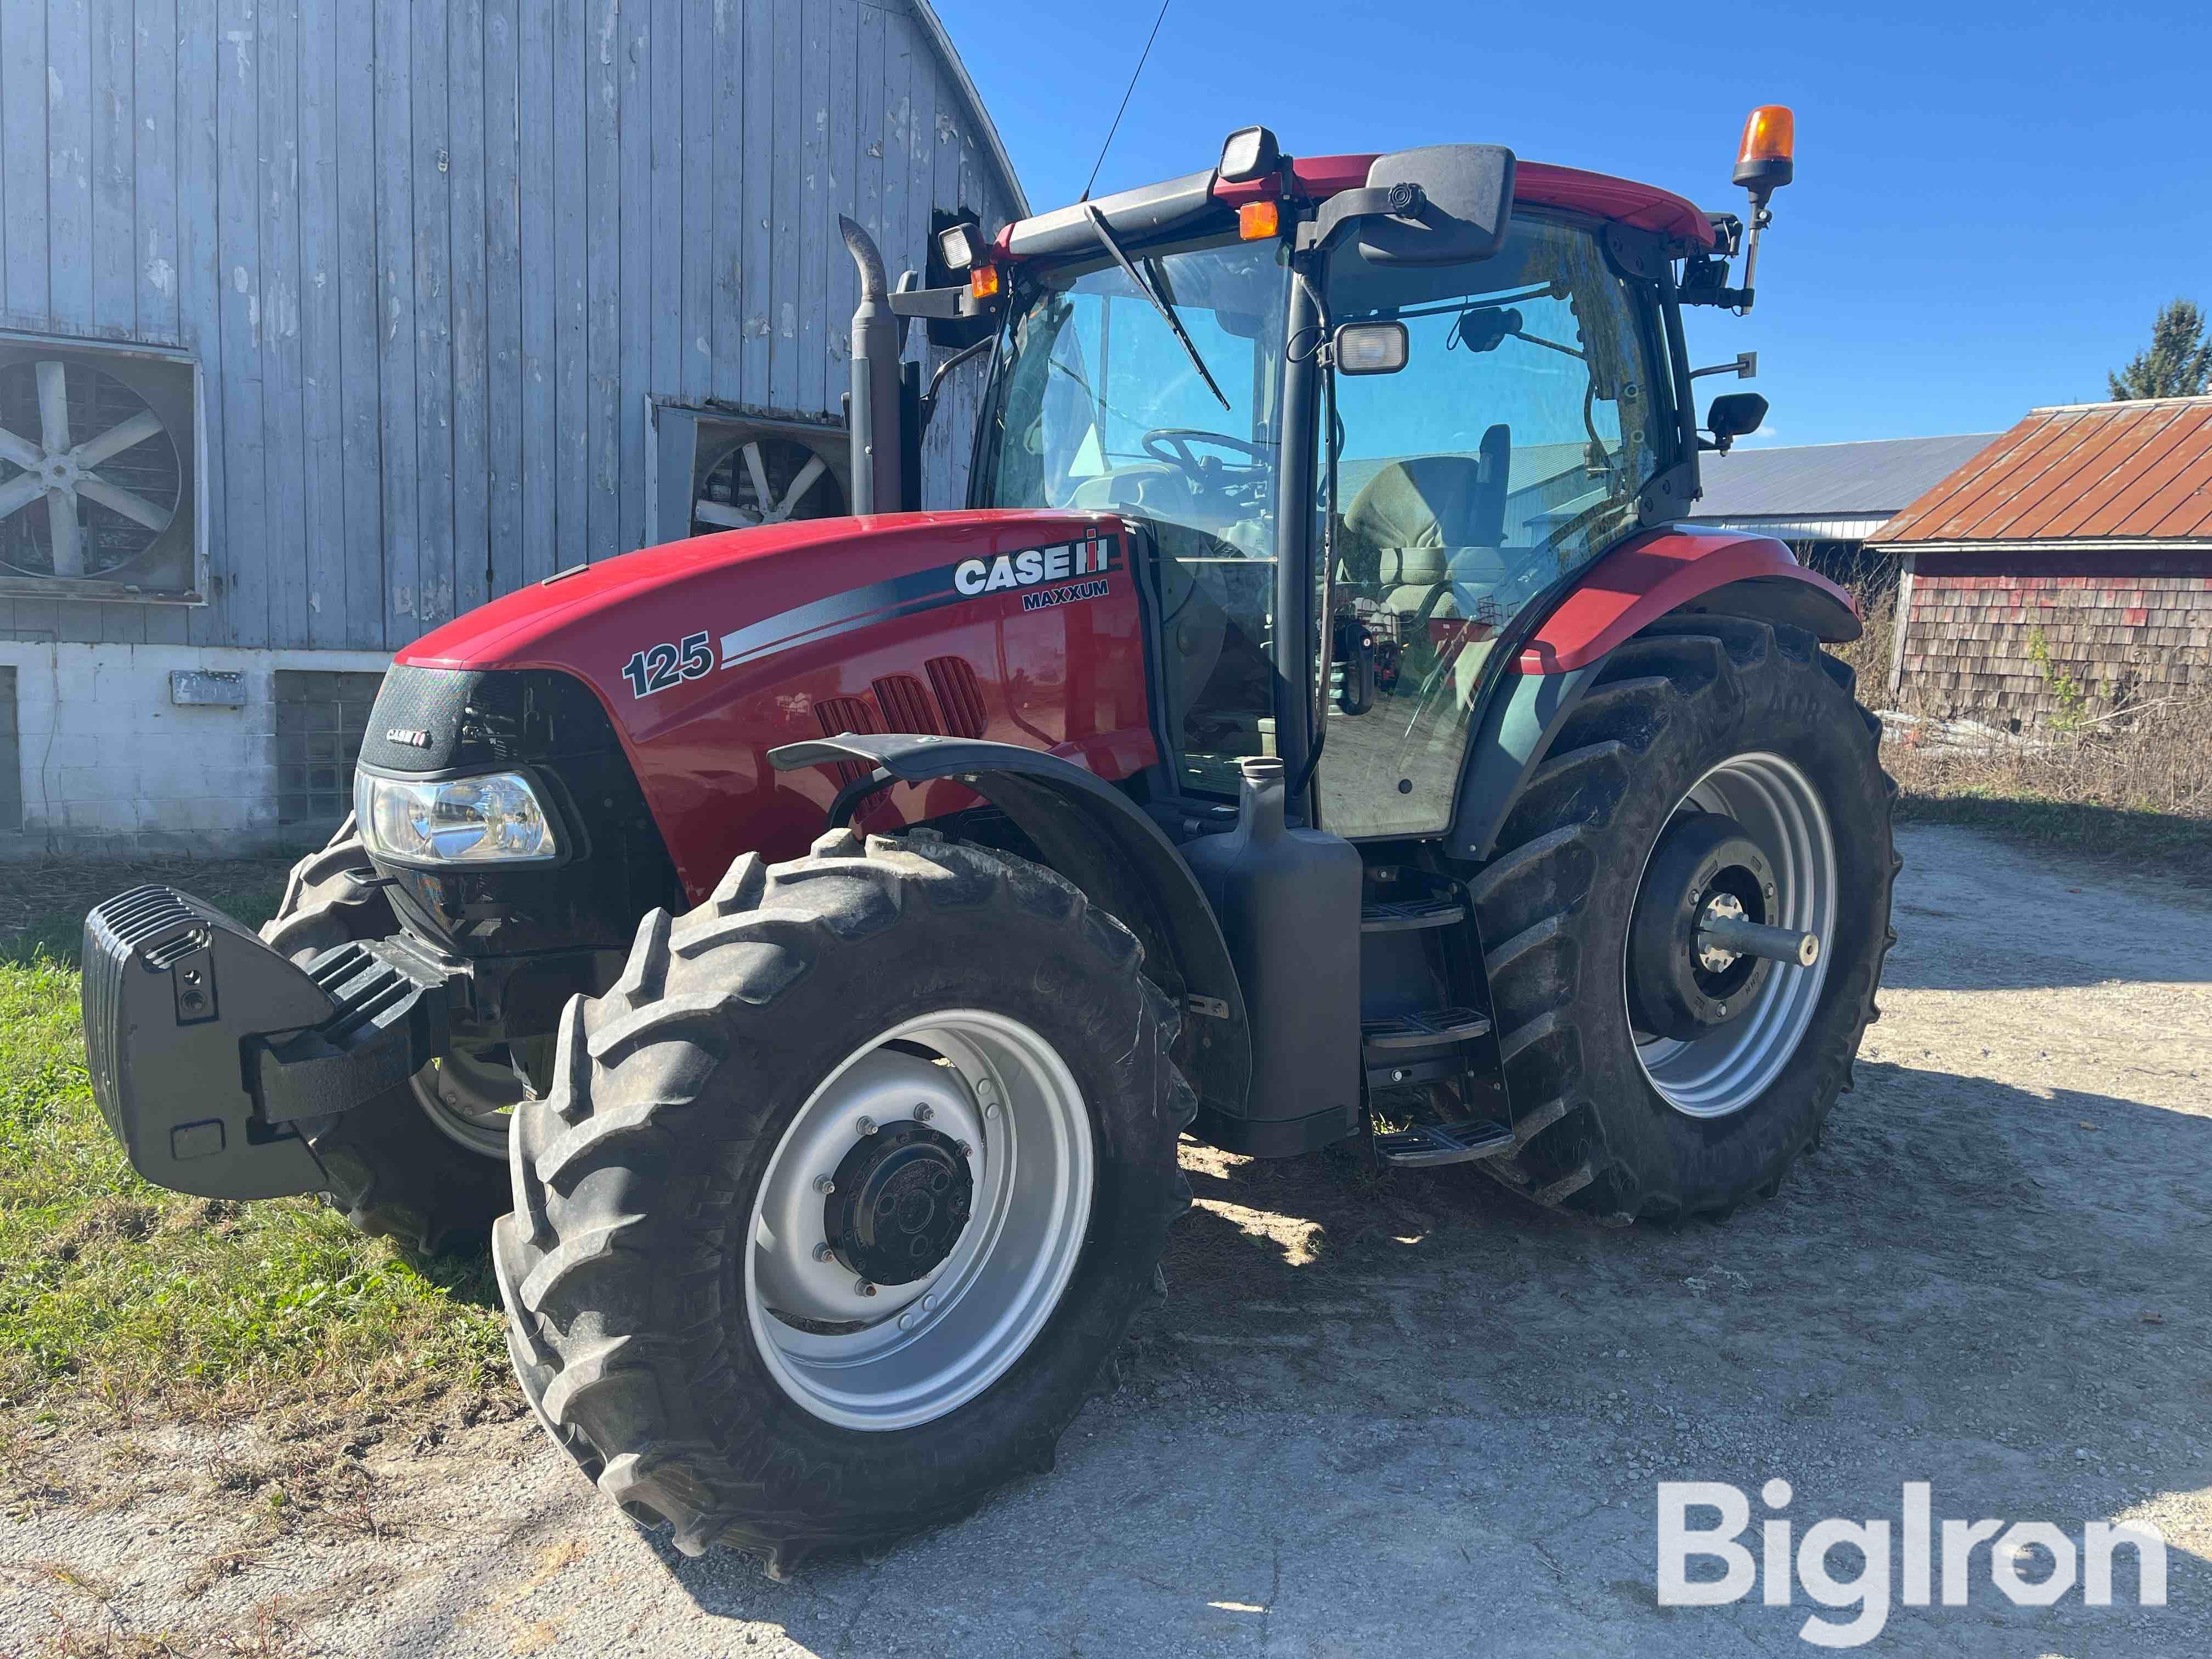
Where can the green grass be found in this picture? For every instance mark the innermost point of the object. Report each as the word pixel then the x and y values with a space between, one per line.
pixel 116 1295
pixel 2164 842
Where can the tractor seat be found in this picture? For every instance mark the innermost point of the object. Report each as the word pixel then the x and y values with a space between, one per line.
pixel 1427 523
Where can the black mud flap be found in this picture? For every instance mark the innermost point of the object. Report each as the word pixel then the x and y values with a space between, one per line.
pixel 207 1048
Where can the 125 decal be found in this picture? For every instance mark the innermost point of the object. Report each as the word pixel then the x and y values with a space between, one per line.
pixel 657 667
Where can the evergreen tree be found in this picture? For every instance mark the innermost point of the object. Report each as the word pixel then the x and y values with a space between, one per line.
pixel 2178 363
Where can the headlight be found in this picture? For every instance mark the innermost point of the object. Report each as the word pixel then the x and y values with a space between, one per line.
pixel 494 819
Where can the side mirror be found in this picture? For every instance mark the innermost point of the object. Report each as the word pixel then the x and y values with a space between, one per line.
pixel 1371 347
pixel 1738 414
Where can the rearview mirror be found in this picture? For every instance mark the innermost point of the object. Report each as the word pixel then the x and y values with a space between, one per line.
pixel 1735 416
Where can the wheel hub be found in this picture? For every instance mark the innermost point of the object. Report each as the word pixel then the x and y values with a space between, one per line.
pixel 1704 869
pixel 900 1201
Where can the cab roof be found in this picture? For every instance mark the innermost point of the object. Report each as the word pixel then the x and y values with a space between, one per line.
pixel 1151 210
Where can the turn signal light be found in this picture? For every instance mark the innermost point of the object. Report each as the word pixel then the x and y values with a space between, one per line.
pixel 1257 221
pixel 983 281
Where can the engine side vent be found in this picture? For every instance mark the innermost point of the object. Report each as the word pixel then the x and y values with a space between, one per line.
pixel 854 715
pixel 905 705
pixel 959 695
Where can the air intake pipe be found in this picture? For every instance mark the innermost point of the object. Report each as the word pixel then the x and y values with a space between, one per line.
pixel 874 417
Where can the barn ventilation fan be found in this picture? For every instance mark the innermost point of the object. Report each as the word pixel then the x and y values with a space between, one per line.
pixel 95 467
pixel 763 477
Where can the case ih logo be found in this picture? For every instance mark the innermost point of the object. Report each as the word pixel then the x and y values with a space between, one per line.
pixel 1035 566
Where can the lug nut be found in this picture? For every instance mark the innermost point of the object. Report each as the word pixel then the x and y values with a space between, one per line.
pixel 924 1112
pixel 823 1252
pixel 864 1288
pixel 823 1184
pixel 907 1321
pixel 966 1151
pixel 867 1126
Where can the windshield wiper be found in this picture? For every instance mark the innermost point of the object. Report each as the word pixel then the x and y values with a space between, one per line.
pixel 1167 311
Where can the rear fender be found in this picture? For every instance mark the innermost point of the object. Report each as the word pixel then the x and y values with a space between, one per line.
pixel 1666 572
pixel 1096 837
pixel 1674 569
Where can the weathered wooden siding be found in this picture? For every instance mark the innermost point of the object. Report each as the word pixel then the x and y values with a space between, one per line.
pixel 434 255
pixel 1997 645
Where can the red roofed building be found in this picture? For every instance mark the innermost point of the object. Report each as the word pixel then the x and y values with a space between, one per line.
pixel 2078 547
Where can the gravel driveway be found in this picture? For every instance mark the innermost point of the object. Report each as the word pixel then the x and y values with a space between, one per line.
pixel 1416 1417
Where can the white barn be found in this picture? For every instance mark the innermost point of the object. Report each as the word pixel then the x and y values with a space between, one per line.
pixel 323 320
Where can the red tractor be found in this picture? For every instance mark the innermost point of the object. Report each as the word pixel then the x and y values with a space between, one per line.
pixel 804 948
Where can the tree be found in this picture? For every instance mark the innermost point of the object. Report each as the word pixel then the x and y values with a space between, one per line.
pixel 2178 363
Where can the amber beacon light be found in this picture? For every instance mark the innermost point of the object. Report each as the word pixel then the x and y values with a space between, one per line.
pixel 1765 160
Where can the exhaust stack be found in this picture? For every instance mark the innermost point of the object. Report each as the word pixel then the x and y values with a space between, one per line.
pixel 873 419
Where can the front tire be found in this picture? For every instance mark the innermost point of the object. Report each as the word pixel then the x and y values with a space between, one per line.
pixel 677 1311
pixel 1697 714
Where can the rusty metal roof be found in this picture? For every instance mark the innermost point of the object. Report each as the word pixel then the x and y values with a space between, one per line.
pixel 2132 472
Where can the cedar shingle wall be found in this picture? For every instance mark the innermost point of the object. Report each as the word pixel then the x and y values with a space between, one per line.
pixel 1970 644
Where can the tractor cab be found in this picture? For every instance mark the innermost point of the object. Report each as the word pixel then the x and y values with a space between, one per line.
pixel 1366 411
pixel 1433 445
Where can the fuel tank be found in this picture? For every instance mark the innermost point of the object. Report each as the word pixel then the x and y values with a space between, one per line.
pixel 1022 627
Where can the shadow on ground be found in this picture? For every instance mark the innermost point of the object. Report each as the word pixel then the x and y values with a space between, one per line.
pixel 1965 1285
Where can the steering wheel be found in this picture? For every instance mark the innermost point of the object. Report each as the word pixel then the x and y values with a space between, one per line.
pixel 1172 444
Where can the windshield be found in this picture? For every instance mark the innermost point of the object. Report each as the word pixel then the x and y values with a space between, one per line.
pixel 1101 408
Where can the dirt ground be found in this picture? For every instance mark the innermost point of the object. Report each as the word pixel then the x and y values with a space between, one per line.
pixel 1417 1417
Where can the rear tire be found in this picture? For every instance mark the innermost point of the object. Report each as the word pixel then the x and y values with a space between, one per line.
pixel 1687 695
pixel 631 1266
pixel 393 1171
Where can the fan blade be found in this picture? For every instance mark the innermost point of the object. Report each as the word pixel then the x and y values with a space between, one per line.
pixel 135 508
pixel 19 493
pixel 721 512
pixel 22 450
pixel 61 519
pixel 764 497
pixel 140 427
pixel 53 407
pixel 800 485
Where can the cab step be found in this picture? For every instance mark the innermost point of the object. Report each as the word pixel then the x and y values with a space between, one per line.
pixel 1385 1035
pixel 1425 1146
pixel 1404 915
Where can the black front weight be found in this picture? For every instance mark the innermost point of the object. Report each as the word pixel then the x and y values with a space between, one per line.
pixel 206 1047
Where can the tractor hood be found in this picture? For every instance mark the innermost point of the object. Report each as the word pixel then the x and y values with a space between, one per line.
pixel 1020 627
pixel 754 591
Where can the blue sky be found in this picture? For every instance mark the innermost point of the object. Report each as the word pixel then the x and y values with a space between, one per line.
pixel 1991 201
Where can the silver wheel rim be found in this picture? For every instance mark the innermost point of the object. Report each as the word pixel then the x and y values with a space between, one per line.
pixel 910 1353
pixel 1727 1069
pixel 472 1102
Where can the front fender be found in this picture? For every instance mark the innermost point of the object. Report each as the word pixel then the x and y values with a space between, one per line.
pixel 1096 837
